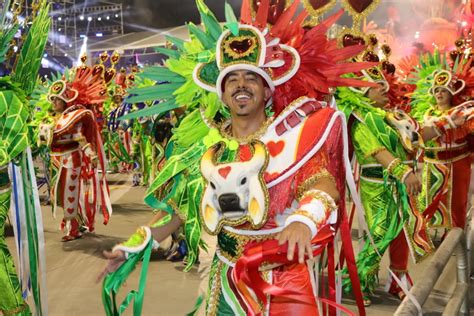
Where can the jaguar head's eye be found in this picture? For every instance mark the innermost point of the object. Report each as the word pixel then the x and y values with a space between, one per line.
pixel 213 186
pixel 243 181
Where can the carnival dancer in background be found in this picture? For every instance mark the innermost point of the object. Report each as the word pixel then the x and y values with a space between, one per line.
pixel 385 141
pixel 442 103
pixel 77 153
pixel 270 175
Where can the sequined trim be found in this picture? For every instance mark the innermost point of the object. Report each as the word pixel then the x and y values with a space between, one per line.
pixel 311 181
pixel 215 291
pixel 241 241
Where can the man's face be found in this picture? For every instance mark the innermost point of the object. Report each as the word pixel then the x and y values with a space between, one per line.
pixel 58 105
pixel 245 93
pixel 442 96
pixel 378 95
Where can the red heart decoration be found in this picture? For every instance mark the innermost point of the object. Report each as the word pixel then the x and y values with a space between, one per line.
pixel 275 148
pixel 270 176
pixel 104 56
pixel 241 46
pixel 70 210
pixel 82 70
pixel 359 5
pixel 318 4
pixel 115 58
pixel 72 188
pixel 388 67
pixel 371 56
pixel 98 70
pixel 275 9
pixel 224 172
pixel 73 176
pixel 350 40
pixel 454 54
pixel 109 75
pixel 70 199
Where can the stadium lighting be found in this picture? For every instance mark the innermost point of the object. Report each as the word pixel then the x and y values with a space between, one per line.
pixel 81 18
pixel 89 19
pixel 99 19
pixel 99 34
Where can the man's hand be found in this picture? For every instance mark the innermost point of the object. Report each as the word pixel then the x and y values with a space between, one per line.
pixel 413 184
pixel 114 261
pixel 297 234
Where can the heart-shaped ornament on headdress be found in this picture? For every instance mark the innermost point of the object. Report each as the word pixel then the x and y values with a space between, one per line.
pixel 275 9
pixel 318 7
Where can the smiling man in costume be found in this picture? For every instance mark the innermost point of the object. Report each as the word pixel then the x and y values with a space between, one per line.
pixel 269 180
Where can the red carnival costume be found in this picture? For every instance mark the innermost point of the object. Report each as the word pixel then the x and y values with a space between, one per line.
pixel 77 153
pixel 246 191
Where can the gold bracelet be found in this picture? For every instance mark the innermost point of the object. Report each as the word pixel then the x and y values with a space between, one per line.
pixel 393 164
pixel 326 199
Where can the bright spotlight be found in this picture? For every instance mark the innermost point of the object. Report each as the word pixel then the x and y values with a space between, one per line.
pixel 70 45
pixel 99 19
pixel 59 30
pixel 116 15
pixel 81 18
pixel 59 18
pixel 65 54
pixel 107 17
pixel 45 55
pixel 89 19
pixel 99 34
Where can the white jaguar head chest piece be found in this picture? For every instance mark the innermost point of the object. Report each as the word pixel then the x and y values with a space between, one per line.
pixel 235 192
pixel 407 128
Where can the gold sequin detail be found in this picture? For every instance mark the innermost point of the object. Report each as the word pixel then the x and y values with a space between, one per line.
pixel 311 181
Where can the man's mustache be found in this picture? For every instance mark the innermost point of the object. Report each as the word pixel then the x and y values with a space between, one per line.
pixel 242 90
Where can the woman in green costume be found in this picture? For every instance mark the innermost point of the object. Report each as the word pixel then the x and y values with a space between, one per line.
pixel 387 183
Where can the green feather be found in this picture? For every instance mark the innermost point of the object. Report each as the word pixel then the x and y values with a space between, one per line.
pixel 156 92
pixel 232 22
pixel 153 110
pixel 205 40
pixel 211 25
pixel 6 36
pixel 179 43
pixel 168 52
pixel 31 54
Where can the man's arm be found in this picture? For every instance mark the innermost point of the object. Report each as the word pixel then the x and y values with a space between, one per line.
pixel 138 241
pixel 407 175
pixel 299 234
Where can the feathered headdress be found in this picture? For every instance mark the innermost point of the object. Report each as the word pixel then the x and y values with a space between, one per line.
pixel 88 85
pixel 437 70
pixel 293 60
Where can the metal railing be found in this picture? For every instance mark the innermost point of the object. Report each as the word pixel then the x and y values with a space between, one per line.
pixel 455 241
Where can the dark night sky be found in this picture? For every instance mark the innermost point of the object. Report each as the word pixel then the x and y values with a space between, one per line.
pixel 169 13
pixel 142 14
